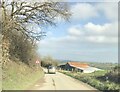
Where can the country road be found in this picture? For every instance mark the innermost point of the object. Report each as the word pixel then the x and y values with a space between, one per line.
pixel 60 81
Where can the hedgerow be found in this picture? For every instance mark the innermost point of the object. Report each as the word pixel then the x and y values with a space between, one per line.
pixel 94 82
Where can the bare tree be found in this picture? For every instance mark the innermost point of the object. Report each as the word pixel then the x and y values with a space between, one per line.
pixel 16 16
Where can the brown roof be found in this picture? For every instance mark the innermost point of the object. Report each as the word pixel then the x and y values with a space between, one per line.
pixel 78 64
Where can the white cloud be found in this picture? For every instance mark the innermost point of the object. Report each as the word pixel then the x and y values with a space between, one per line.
pixel 75 31
pixel 97 28
pixel 110 10
pixel 90 32
pixel 102 39
pixel 94 40
pixel 86 11
pixel 83 11
pixel 108 29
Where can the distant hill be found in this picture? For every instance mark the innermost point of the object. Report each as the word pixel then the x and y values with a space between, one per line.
pixel 62 61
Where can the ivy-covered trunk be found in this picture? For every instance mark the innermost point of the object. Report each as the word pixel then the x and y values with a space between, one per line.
pixel 5 30
pixel 0 50
pixel 5 49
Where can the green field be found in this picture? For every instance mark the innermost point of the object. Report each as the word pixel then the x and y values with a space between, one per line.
pixel 105 66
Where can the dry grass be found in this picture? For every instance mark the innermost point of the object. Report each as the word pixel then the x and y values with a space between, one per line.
pixel 18 76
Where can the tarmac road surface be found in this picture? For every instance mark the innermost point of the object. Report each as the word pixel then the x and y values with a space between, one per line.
pixel 60 81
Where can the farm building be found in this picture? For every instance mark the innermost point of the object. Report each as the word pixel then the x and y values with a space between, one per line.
pixel 61 67
pixel 78 67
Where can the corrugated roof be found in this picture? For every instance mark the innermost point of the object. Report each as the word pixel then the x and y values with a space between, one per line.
pixel 78 64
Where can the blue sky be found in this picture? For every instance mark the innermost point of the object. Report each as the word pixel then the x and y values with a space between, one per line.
pixel 91 34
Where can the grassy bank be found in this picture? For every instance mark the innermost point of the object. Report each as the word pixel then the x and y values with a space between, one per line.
pixel 92 79
pixel 18 76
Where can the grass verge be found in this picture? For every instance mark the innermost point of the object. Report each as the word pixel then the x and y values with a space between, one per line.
pixel 19 76
pixel 92 80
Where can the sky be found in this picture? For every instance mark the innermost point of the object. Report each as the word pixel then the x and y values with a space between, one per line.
pixel 91 35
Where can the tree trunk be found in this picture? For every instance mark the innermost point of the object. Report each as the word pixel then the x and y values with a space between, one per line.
pixel 0 51
pixel 5 38
pixel 5 49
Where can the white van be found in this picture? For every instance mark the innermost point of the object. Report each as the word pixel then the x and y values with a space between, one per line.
pixel 51 69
